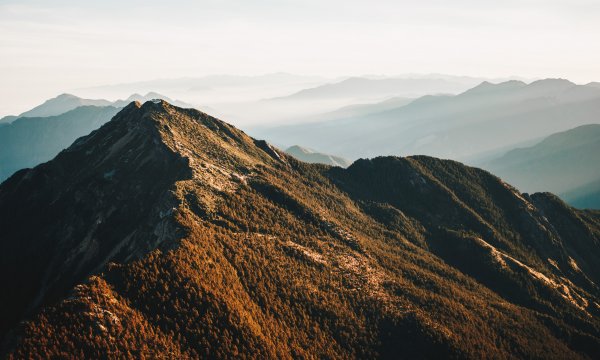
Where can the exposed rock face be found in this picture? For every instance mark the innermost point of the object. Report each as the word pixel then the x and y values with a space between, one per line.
pixel 168 233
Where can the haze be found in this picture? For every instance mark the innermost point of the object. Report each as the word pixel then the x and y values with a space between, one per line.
pixel 53 47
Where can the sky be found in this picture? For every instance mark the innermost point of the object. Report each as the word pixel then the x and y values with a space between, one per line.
pixel 49 47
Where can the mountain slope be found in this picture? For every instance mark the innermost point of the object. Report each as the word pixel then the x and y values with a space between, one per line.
pixel 560 163
pixel 313 157
pixel 484 119
pixel 27 142
pixel 168 233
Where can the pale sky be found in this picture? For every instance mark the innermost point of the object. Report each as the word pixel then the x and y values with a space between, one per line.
pixel 49 47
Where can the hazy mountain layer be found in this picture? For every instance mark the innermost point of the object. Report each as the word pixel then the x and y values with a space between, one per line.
pixel 204 242
pixel 560 163
pixel 366 88
pixel 27 142
pixel 485 119
pixel 67 102
pixel 584 197
pixel 365 109
pixel 61 104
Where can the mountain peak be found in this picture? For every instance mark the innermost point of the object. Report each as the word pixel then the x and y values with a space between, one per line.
pixel 128 169
pixel 299 149
pixel 594 84
pixel 488 87
pixel 66 96
pixel 61 104
pixel 134 97
pixel 552 83
pixel 199 137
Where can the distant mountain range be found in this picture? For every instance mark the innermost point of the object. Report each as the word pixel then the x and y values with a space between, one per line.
pixel 584 197
pixel 167 233
pixel 58 105
pixel 314 157
pixel 563 163
pixel 67 102
pixel 211 83
pixel 360 88
pixel 594 84
pixel 357 110
pixel 27 142
pixel 265 98
pixel 487 119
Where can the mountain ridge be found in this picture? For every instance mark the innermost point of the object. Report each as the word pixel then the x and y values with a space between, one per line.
pixel 167 232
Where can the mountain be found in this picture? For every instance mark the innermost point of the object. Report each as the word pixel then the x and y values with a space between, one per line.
pixel 594 84
pixel 314 157
pixel 67 102
pixel 482 120
pixel 560 163
pixel 61 104
pixel 246 100
pixel 356 110
pixel 148 97
pixel 584 197
pixel 8 119
pixel 169 233
pixel 366 88
pixel 348 97
pixel 235 96
pixel 27 142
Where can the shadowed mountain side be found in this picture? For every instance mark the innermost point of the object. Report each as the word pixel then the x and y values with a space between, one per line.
pixel 168 233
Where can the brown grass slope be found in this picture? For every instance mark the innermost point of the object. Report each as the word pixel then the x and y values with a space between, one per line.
pixel 168 233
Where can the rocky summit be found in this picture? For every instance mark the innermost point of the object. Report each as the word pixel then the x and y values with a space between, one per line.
pixel 168 233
